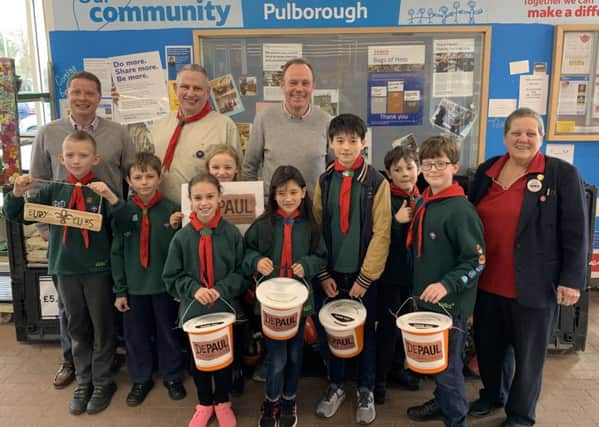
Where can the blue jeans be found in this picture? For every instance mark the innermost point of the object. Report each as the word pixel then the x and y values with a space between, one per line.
pixel 367 358
pixel 284 365
pixel 451 391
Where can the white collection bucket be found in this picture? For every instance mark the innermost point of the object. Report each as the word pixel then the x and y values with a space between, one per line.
pixel 343 321
pixel 211 338
pixel 281 304
pixel 425 340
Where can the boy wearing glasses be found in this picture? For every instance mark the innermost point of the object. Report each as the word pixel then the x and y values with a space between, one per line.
pixel 445 243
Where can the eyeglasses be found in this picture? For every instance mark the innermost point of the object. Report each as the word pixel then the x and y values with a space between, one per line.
pixel 440 166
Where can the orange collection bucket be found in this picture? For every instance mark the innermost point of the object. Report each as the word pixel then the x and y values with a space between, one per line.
pixel 425 340
pixel 211 339
pixel 281 305
pixel 343 320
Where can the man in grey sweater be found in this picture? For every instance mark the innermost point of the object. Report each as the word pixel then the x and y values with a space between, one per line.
pixel 294 132
pixel 115 149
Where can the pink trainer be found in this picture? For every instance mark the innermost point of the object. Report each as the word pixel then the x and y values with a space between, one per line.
pixel 201 416
pixel 225 415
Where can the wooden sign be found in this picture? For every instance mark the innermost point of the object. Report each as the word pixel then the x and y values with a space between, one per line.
pixel 62 216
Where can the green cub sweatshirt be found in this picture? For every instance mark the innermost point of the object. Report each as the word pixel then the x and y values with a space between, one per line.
pixel 128 274
pixel 71 258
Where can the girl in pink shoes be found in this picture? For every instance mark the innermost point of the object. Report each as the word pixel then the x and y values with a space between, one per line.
pixel 202 271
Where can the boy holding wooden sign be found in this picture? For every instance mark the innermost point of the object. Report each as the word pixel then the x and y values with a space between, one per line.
pixel 80 258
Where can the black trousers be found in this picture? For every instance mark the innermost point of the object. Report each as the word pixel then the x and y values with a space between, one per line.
pixel 150 325
pixel 501 323
pixel 389 348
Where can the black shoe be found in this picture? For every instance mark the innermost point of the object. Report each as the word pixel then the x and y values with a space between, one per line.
pixel 288 413
pixel 138 393
pixel 405 379
pixel 380 393
pixel 426 412
pixel 238 382
pixel 175 388
pixel 483 407
pixel 101 398
pixel 269 414
pixel 81 395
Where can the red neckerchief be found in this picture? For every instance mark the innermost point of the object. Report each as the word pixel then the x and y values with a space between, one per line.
pixel 286 254
pixel 144 234
pixel 453 190
pixel 172 144
pixel 410 197
pixel 205 247
pixel 345 191
pixel 78 202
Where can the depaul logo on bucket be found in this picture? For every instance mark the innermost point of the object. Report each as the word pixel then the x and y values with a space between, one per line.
pixel 424 352
pixel 210 350
pixel 342 342
pixel 279 323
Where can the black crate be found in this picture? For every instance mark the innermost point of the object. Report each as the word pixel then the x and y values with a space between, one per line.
pixel 572 325
pixel 29 324
pixel 32 327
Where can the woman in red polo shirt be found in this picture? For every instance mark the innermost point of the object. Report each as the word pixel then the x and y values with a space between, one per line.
pixel 534 214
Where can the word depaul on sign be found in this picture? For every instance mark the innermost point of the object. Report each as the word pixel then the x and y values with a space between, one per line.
pixel 62 216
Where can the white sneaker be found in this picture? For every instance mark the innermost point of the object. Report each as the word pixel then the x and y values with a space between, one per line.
pixel 365 413
pixel 330 401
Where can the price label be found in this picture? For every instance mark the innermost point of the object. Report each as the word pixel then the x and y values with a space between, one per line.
pixel 48 298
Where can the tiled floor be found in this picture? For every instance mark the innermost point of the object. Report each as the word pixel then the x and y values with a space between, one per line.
pixel 570 395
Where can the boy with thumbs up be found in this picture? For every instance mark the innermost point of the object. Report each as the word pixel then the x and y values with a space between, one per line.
pixel 401 165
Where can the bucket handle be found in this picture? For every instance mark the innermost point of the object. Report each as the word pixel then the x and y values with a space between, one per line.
pixel 345 291
pixel 194 300
pixel 415 299
pixel 259 280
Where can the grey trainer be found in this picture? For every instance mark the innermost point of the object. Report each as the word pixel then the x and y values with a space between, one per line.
pixel 365 413
pixel 330 401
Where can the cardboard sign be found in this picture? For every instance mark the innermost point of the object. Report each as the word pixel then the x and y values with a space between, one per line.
pixel 62 216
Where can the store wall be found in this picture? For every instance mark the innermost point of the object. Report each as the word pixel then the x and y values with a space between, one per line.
pixel 521 30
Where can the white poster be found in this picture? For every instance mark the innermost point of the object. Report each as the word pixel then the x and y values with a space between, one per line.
pixel 102 69
pixel 533 93
pixel 561 151
pixel 327 100
pixel 274 57
pixel 572 97
pixel 577 53
pixel 501 107
pixel 241 203
pixel 596 100
pixel 48 298
pixel 139 79
pixel 453 68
